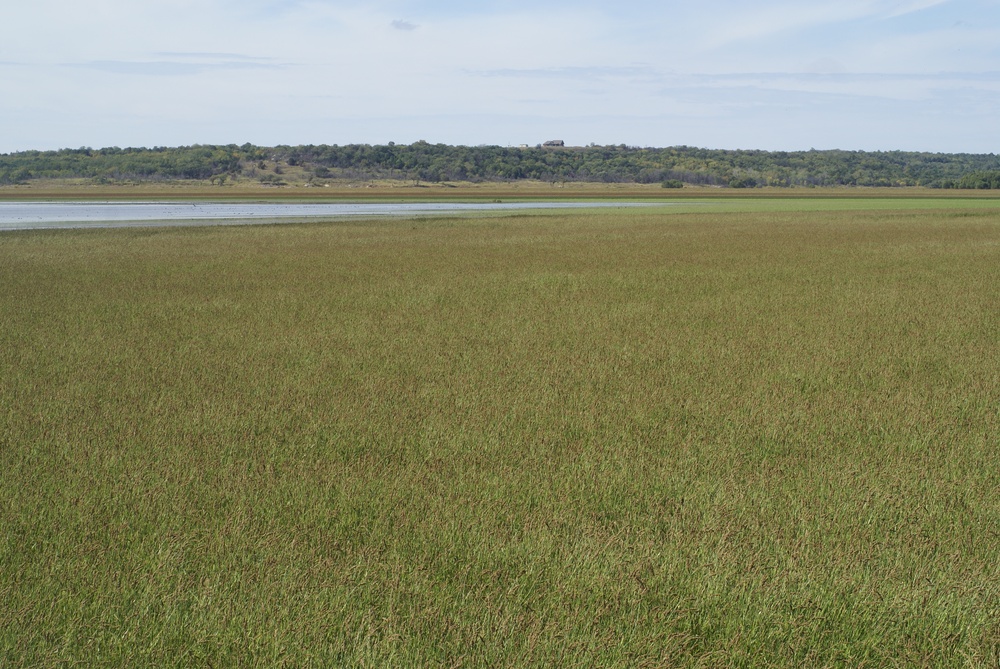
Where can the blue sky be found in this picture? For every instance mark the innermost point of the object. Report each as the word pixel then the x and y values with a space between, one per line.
pixel 773 74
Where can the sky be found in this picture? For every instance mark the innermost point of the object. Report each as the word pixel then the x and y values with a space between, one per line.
pixel 914 75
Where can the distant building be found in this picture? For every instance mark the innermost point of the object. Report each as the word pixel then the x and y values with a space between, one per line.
pixel 554 142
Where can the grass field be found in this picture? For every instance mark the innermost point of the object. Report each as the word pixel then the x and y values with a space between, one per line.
pixel 750 436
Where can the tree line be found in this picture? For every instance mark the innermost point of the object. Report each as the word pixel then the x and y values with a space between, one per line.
pixel 422 161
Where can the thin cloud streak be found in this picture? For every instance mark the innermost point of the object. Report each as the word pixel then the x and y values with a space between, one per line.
pixel 170 68
pixel 202 55
pixel 917 6
pixel 578 72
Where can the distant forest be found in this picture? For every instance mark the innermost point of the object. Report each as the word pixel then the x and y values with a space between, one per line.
pixel 421 161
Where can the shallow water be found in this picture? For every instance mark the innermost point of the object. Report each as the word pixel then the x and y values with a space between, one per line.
pixel 57 215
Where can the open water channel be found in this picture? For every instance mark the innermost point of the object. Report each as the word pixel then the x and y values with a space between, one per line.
pixel 57 215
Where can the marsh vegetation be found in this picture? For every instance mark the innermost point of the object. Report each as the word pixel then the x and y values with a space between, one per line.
pixel 635 438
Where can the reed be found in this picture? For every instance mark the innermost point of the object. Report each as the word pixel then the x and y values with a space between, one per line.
pixel 729 438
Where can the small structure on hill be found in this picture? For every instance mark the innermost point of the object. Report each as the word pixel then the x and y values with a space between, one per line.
pixel 554 142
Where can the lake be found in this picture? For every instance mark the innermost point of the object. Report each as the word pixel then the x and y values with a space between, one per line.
pixel 62 215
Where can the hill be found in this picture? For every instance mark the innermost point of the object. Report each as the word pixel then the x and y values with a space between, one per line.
pixel 422 161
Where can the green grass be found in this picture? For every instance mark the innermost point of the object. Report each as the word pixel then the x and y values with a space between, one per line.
pixel 844 203
pixel 726 438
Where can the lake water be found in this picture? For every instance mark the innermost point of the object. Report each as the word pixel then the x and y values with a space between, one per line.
pixel 58 215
